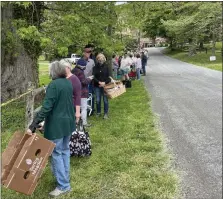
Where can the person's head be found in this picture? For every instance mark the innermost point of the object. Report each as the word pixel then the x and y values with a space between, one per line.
pixel 58 70
pixel 87 51
pixel 68 66
pixel 101 58
pixel 125 55
pixel 130 55
pixel 138 55
pixel 113 56
pixel 81 63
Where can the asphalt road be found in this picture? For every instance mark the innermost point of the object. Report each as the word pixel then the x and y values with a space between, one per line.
pixel 188 102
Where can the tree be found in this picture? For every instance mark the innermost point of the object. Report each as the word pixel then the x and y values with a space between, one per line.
pixel 20 47
pixel 195 22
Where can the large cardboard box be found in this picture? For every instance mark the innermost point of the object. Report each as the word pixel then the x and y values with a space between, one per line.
pixel 24 160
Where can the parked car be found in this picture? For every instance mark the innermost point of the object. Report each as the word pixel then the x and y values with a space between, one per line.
pixel 74 58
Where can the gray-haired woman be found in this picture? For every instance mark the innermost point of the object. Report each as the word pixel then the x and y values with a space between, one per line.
pixel 58 112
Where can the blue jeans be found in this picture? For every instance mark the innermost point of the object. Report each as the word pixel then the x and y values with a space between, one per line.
pixel 138 73
pixel 100 92
pixel 144 68
pixel 91 90
pixel 115 73
pixel 60 162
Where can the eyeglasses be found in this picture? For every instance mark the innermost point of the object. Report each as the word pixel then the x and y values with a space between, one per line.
pixel 88 51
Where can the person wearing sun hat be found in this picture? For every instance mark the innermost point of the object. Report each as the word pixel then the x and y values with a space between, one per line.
pixel 79 72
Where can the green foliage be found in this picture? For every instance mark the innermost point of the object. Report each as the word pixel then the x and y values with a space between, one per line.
pixel 29 33
pixel 194 21
pixel 24 27
pixel 74 24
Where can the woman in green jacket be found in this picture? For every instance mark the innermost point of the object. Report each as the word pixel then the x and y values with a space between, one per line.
pixel 58 112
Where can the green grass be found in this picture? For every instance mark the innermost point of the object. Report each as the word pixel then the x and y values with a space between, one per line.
pixel 200 59
pixel 44 78
pixel 129 160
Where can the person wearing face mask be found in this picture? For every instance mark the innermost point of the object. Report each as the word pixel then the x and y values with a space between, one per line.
pixel 79 72
pixel 101 77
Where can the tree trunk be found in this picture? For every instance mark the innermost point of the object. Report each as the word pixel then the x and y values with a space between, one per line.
pixel 139 44
pixel 17 67
pixel 109 57
pixel 213 43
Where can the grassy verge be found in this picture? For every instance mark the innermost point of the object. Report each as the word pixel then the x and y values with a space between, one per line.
pixel 128 160
pixel 200 59
pixel 44 78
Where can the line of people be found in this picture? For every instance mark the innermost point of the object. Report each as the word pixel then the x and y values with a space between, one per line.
pixel 65 103
pixel 130 62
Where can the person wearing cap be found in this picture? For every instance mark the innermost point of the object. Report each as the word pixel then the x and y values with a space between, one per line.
pixel 79 72
pixel 89 69
pixel 101 77
pixel 58 112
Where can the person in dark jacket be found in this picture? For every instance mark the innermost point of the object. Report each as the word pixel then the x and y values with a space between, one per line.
pixel 58 112
pixel 101 77
pixel 79 72
pixel 144 62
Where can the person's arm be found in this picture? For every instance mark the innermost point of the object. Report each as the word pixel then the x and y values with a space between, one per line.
pixel 47 107
pixel 83 79
pixel 77 96
pixel 78 113
pixel 94 74
pixel 108 79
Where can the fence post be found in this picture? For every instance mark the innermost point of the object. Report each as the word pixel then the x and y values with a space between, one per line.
pixel 29 107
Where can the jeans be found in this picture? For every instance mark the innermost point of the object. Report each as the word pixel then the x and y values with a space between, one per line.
pixel 84 110
pixel 100 92
pixel 144 69
pixel 138 73
pixel 115 73
pixel 60 162
pixel 91 90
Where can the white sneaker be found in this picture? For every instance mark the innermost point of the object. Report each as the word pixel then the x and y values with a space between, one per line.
pixel 56 192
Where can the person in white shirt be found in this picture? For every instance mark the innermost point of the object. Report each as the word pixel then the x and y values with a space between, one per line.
pixel 138 66
pixel 125 67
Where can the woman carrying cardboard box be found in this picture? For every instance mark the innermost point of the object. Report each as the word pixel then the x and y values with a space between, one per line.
pixel 58 112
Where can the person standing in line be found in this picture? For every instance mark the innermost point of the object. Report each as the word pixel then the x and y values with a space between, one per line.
pixel 115 66
pixel 79 72
pixel 76 88
pixel 101 77
pixel 58 112
pixel 125 66
pixel 144 62
pixel 88 71
pixel 138 66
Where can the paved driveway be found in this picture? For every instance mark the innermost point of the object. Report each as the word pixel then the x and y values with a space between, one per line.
pixel 188 101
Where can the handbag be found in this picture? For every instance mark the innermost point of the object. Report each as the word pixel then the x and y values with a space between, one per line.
pixel 80 144
pixel 127 83
pixel 114 89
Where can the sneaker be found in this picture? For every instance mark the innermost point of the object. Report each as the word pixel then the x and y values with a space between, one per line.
pixel 105 116
pixel 56 192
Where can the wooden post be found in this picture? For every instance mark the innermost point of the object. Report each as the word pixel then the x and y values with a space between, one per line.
pixel 29 107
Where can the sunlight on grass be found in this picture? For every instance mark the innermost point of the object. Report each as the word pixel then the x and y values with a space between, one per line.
pixel 200 59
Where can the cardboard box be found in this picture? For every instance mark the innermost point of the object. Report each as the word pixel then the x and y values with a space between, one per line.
pixel 24 160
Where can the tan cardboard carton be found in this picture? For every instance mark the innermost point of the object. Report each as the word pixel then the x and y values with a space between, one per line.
pixel 24 160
